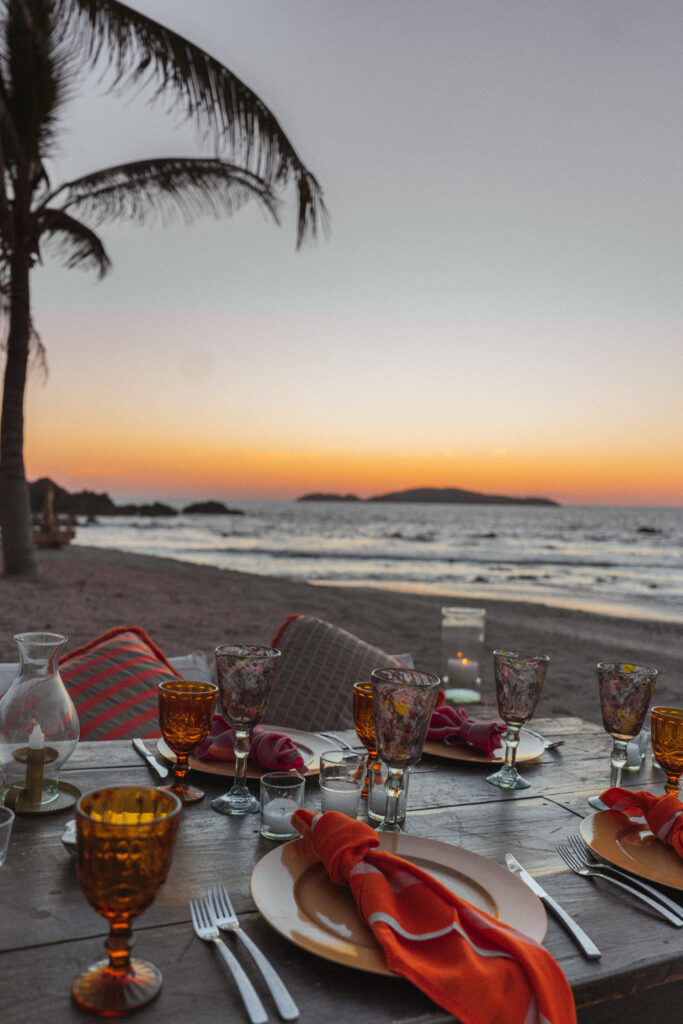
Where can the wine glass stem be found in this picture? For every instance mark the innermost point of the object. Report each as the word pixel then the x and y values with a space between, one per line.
pixel 618 762
pixel 511 744
pixel 671 786
pixel 394 788
pixel 242 744
pixel 118 946
pixel 180 770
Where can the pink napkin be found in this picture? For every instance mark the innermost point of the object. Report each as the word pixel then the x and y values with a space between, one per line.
pixel 453 726
pixel 269 749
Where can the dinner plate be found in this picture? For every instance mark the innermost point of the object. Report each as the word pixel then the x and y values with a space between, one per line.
pixel 629 844
pixel 530 749
pixel 310 746
pixel 293 892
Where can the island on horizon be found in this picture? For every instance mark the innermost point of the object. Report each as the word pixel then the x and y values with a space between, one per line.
pixel 435 496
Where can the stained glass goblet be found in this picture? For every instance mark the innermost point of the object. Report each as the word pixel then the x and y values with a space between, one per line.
pixel 245 677
pixel 519 679
pixel 185 711
pixel 625 692
pixel 364 722
pixel 124 842
pixel 403 701
pixel 666 726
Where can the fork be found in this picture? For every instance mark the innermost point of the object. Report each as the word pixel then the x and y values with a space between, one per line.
pixel 580 868
pixel 205 928
pixel 225 917
pixel 584 854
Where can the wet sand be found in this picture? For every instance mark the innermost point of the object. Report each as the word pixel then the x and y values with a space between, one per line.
pixel 82 592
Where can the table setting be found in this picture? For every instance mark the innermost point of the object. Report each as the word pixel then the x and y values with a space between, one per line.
pixel 352 853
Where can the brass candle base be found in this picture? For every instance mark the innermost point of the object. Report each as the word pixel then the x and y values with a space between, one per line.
pixel 35 761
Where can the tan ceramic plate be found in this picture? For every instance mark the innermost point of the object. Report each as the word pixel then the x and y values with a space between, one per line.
pixel 530 749
pixel 310 747
pixel 628 844
pixel 294 894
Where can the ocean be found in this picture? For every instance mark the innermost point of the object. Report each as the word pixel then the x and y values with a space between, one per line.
pixel 622 561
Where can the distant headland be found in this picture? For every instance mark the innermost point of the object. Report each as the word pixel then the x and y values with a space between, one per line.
pixel 90 504
pixel 435 495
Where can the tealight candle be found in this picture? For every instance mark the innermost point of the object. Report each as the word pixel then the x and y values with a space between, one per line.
pixel 462 671
pixel 282 793
pixel 341 795
pixel 277 815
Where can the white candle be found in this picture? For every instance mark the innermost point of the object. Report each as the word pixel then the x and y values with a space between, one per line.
pixel 462 671
pixel 276 816
pixel 36 740
pixel 341 795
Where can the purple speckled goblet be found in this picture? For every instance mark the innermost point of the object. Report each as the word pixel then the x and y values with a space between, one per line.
pixel 245 676
pixel 625 693
pixel 519 679
pixel 403 701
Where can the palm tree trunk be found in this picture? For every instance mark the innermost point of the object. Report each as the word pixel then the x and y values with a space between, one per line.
pixel 15 511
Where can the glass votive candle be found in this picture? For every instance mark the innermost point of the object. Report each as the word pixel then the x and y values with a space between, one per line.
pixel 462 653
pixel 6 822
pixel 282 793
pixel 377 793
pixel 342 774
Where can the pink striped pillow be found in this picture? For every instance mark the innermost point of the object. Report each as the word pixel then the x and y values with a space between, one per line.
pixel 113 683
pixel 313 686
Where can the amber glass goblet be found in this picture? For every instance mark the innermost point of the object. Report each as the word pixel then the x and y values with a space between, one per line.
pixel 245 676
pixel 519 680
pixel 403 701
pixel 666 726
pixel 364 722
pixel 625 693
pixel 124 841
pixel 185 711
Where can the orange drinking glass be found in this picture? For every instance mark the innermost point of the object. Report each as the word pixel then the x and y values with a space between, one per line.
pixel 667 744
pixel 185 711
pixel 364 722
pixel 124 841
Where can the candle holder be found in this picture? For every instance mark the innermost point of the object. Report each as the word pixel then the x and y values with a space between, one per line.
pixel 39 726
pixel 282 793
pixel 462 653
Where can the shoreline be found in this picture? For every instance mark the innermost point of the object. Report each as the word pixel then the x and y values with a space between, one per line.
pixel 83 591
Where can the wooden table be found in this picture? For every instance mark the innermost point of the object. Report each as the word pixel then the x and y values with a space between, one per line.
pixel 48 932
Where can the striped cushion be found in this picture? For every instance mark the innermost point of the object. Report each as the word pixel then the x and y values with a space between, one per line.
pixel 113 682
pixel 313 686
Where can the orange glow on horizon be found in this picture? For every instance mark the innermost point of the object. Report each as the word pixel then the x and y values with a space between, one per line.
pixel 172 469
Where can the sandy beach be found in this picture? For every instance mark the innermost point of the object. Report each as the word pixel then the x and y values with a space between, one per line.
pixel 82 592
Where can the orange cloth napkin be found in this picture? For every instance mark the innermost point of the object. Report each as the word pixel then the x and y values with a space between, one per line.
pixel 272 750
pixel 476 968
pixel 664 814
pixel 453 725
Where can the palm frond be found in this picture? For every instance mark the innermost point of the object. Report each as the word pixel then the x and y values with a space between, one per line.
pixel 37 68
pixel 75 243
pixel 146 53
pixel 164 188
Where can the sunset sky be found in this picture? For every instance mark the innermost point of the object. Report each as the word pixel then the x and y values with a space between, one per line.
pixel 498 307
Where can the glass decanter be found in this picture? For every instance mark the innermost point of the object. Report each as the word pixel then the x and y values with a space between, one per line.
pixel 39 726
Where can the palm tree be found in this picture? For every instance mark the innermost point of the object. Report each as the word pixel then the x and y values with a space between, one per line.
pixel 44 46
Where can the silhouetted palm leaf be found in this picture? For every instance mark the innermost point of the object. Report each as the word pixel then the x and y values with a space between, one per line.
pixel 164 188
pixel 142 52
pixel 75 243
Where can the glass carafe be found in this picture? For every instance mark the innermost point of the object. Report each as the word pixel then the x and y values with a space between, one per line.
pixel 39 726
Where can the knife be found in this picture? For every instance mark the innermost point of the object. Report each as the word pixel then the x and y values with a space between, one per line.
pixel 587 945
pixel 160 769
